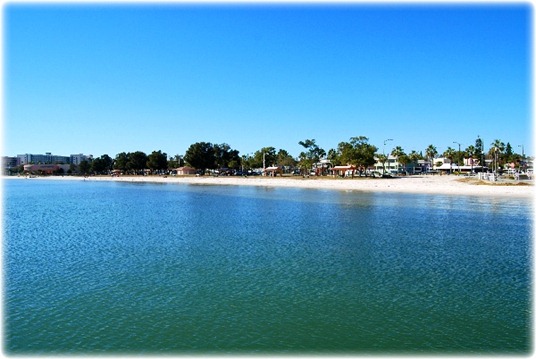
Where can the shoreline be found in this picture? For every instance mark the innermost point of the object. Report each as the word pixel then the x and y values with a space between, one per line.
pixel 442 185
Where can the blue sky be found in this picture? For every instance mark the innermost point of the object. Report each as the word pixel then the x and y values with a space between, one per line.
pixel 102 79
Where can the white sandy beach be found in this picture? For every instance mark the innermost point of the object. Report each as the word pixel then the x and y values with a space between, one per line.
pixel 448 185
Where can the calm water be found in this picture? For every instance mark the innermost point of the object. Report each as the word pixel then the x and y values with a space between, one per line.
pixel 95 267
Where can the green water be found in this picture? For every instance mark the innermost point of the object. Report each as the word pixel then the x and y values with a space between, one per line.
pixel 120 268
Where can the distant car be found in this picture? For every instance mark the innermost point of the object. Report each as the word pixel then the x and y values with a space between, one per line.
pixel 375 174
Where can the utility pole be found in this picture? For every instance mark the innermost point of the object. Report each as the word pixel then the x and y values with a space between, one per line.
pixel 522 151
pixel 384 142
pixel 522 156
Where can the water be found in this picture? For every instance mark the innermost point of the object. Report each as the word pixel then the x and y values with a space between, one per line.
pixel 102 267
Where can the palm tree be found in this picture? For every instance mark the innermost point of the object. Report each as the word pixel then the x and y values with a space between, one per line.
pixel 471 151
pixel 449 153
pixel 397 152
pixel 382 159
pixel 414 157
pixel 497 147
pixel 431 152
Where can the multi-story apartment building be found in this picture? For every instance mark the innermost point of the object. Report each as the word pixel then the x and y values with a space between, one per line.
pixel 9 162
pixel 41 159
pixel 76 159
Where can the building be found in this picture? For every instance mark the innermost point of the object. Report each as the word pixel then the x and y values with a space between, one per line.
pixel 9 162
pixel 273 171
pixel 78 158
pixel 183 171
pixel 9 165
pixel 343 171
pixel 46 168
pixel 421 166
pixel 47 158
pixel 391 165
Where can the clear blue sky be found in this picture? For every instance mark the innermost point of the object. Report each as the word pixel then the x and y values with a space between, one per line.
pixel 102 79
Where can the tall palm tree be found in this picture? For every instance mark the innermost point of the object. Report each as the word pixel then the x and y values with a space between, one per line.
pixel 497 147
pixel 431 152
pixel 382 159
pixel 397 152
pixel 471 151
pixel 414 158
pixel 449 153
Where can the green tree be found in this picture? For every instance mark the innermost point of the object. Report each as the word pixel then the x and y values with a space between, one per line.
pixel 450 153
pixel 157 161
pixel 137 162
pixel 102 164
pixel 509 155
pixel 174 162
pixel 363 153
pixel 246 161
pixel 84 167
pixel 285 159
pixel 431 152
pixel 221 155
pixel 404 159
pixel 201 155
pixel 333 157
pixel 497 148
pixel 414 158
pixel 226 157
pixel 345 153
pixel 311 156
pixel 397 152
pixel 471 151
pixel 97 166
pixel 121 161
pixel 266 156
pixel 382 159
pixel 479 151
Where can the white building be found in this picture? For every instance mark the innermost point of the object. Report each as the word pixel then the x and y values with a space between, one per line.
pixel 76 159
pixel 391 165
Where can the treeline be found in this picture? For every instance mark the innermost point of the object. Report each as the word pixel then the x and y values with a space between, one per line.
pixel 357 151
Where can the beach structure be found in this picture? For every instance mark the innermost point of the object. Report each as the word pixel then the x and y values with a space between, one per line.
pixel 273 171
pixel 343 171
pixel 183 171
pixel 45 169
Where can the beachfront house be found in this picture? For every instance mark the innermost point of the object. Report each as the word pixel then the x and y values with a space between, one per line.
pixel 391 165
pixel 343 171
pixel 470 165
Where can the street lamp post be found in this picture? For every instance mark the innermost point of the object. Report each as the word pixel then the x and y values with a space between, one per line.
pixel 384 142
pixel 522 156
pixel 522 151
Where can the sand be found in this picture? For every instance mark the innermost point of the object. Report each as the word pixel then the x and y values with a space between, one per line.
pixel 446 185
